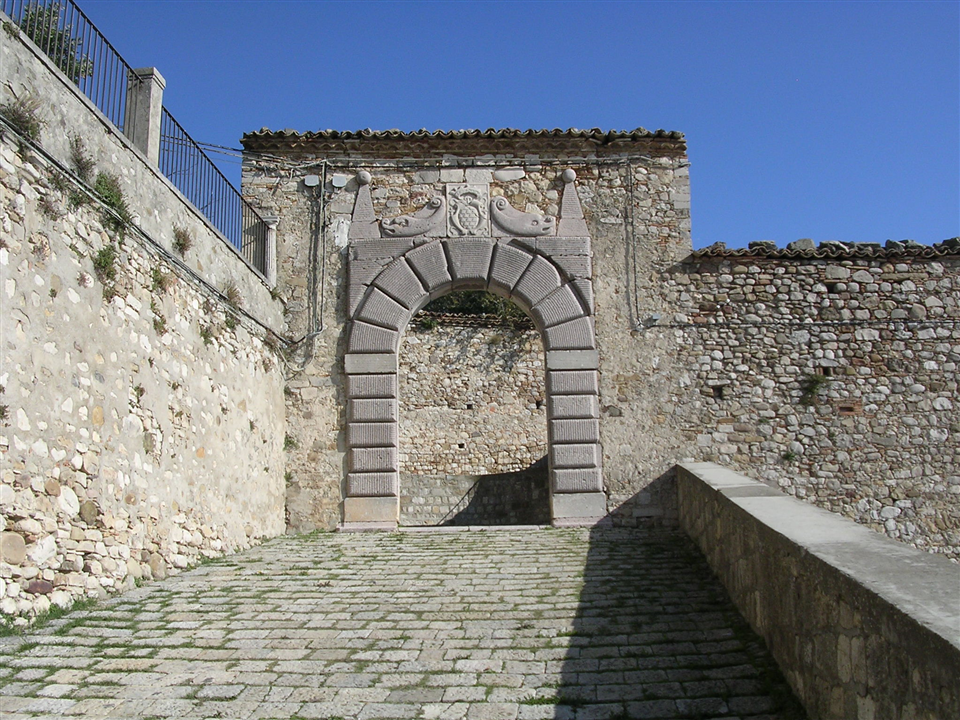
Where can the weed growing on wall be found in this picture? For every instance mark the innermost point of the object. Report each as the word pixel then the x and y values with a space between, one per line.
pixel 811 385
pixel 83 165
pixel 159 321
pixel 207 335
pixel 108 188
pixel 159 280
pixel 232 293
pixel 24 114
pixel 105 264
pixel 182 240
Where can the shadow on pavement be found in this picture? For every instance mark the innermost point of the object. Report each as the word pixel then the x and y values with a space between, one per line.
pixel 655 636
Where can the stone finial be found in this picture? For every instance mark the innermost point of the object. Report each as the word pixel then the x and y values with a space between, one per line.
pixel 572 223
pixel 364 224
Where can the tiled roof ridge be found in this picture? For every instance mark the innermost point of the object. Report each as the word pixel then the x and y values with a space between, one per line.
pixel 831 249
pixel 595 134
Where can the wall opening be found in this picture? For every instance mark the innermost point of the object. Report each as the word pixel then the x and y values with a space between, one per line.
pixel 472 416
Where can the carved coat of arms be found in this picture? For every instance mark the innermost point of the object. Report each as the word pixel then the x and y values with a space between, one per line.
pixel 468 211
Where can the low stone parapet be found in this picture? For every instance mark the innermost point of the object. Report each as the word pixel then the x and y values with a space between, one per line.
pixel 862 626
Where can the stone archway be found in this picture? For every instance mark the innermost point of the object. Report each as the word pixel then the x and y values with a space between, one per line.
pixel 465 241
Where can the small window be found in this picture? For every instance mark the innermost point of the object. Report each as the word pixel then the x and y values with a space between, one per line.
pixel 831 288
pixel 826 371
pixel 461 445
pixel 469 406
pixel 718 392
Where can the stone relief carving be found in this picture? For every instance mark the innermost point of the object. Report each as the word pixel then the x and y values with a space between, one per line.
pixel 516 222
pixel 468 215
pixel 422 222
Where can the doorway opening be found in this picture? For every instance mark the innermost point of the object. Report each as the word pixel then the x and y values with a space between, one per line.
pixel 472 415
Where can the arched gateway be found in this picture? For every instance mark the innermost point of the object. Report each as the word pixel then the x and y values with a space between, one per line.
pixel 466 240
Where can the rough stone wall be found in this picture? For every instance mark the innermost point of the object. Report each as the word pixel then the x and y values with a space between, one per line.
pixel 471 401
pixel 637 208
pixel 472 424
pixel 834 379
pixel 142 416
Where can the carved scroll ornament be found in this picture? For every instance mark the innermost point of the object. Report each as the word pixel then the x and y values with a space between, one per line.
pixel 523 224
pixel 425 220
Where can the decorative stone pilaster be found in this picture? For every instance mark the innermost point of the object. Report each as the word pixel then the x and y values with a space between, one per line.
pixel 271 250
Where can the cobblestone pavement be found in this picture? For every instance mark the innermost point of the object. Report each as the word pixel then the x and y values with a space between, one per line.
pixel 495 624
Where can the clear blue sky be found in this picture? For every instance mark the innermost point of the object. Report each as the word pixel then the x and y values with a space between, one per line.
pixel 829 120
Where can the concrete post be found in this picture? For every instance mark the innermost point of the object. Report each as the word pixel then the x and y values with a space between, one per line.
pixel 141 122
pixel 271 250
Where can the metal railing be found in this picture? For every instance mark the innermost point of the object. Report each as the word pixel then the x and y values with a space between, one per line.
pixel 74 44
pixel 202 183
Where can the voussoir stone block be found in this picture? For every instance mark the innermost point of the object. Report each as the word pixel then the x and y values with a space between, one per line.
pixel 400 282
pixel 366 338
pixel 371 434
pixel 558 307
pixel 577 480
pixel 540 279
pixel 572 382
pixel 574 431
pixel 577 334
pixel 360 273
pixel 574 266
pixel 380 309
pixel 372 410
pixel 582 455
pixel 584 289
pixel 374 484
pixel 470 261
pixel 381 459
pixel 372 386
pixel 507 267
pixel 429 262
pixel 571 407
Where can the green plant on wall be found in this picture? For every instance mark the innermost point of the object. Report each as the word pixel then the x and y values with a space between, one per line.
pixel 811 385
pixel 108 188
pixel 44 25
pixel 104 263
pixel 24 114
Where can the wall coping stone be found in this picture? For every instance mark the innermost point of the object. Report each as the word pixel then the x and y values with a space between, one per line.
pixel 923 586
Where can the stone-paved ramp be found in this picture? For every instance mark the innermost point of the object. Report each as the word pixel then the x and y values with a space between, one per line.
pixel 496 624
